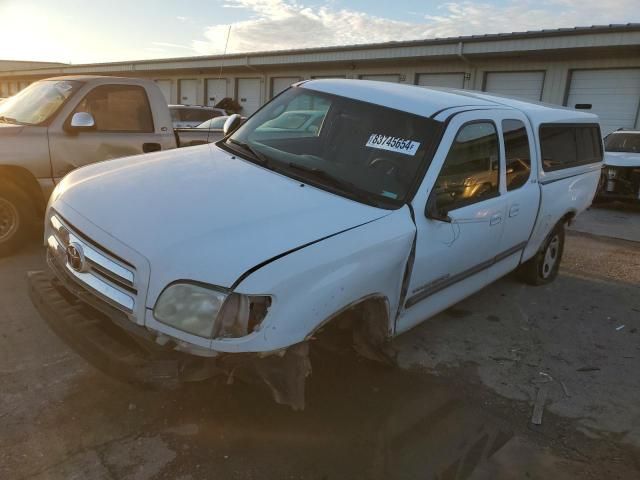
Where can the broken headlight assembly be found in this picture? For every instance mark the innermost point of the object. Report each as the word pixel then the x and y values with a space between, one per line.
pixel 210 312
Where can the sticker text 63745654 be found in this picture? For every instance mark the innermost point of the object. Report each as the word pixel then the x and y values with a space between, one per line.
pixel 393 144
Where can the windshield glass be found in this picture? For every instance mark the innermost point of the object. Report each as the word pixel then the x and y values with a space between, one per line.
pixel 38 102
pixel 350 147
pixel 623 142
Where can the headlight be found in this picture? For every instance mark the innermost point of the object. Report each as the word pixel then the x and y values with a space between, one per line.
pixel 208 311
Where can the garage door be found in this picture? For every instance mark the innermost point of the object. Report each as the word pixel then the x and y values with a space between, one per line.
pixel 188 92
pixel 279 84
pixel 449 80
pixel 216 90
pixel 4 89
pixel 249 95
pixel 524 85
pixel 165 88
pixel 613 95
pixel 394 78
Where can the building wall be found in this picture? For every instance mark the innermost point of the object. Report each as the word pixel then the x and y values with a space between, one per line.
pixel 557 68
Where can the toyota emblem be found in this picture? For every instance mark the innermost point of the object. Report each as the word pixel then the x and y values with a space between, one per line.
pixel 75 257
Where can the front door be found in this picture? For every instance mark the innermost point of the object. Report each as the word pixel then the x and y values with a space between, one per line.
pixel 452 255
pixel 123 126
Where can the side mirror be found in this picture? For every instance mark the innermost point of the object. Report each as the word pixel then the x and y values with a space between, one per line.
pixel 82 121
pixel 433 212
pixel 232 123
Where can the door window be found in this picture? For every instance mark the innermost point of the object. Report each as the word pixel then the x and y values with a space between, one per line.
pixel 517 153
pixel 471 170
pixel 118 108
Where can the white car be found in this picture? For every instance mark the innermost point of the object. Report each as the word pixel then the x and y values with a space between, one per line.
pixel 621 172
pixel 234 256
pixel 190 116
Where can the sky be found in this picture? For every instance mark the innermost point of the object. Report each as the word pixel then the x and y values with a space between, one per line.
pixel 74 31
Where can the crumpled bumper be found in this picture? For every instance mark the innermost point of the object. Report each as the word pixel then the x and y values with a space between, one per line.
pixel 115 346
pixel 127 351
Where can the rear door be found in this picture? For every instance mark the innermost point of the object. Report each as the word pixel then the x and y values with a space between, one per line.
pixel 124 126
pixel 452 258
pixel 520 189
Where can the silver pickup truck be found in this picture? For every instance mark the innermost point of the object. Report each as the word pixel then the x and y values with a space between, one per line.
pixel 57 125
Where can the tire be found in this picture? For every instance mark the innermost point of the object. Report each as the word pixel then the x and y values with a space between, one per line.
pixel 543 267
pixel 16 218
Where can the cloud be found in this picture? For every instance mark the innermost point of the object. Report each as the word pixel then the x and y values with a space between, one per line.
pixel 289 24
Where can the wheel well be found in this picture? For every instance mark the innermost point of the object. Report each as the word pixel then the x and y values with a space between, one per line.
pixel 364 325
pixel 568 218
pixel 27 183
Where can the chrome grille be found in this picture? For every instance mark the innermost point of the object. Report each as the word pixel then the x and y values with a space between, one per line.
pixel 92 266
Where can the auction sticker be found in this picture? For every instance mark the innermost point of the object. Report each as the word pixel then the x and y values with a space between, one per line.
pixel 393 144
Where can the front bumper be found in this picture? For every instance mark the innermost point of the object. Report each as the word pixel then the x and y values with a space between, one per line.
pixel 113 344
pixel 127 351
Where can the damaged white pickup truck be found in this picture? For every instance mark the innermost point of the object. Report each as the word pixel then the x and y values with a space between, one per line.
pixel 375 207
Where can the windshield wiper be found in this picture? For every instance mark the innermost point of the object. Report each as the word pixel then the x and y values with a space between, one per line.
pixel 245 146
pixel 343 185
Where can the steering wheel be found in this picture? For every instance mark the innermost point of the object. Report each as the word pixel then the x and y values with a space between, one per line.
pixel 390 166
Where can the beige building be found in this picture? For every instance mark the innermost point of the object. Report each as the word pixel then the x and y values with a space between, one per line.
pixel 592 68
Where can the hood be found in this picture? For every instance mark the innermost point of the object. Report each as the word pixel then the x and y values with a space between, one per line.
pixel 622 159
pixel 201 214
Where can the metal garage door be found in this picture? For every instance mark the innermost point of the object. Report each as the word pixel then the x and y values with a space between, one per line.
pixel 612 94
pixel 279 84
pixel 216 90
pixel 188 92
pixel 165 88
pixel 393 78
pixel 449 80
pixel 249 95
pixel 525 85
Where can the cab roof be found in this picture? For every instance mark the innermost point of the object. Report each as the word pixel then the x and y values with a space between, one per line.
pixel 433 102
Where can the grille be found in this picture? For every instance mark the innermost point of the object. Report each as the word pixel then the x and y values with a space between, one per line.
pixel 91 266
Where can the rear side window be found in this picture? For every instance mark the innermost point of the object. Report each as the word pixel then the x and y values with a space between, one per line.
pixel 517 153
pixel 569 145
pixel 118 108
pixel 471 170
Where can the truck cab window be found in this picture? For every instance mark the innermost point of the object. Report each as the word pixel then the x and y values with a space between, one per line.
pixel 470 172
pixel 517 153
pixel 118 108
pixel 566 146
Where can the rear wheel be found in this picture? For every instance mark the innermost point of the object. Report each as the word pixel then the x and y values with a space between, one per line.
pixel 543 267
pixel 16 218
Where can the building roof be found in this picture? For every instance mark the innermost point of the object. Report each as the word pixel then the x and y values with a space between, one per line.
pixel 597 36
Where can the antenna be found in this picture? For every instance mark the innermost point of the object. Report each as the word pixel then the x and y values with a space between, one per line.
pixel 226 44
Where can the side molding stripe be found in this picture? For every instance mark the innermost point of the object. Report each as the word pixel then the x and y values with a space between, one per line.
pixel 445 282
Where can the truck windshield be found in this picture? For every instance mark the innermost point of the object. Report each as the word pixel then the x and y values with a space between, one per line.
pixel 623 142
pixel 357 149
pixel 38 102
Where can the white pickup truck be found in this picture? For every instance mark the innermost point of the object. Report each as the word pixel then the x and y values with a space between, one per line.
pixel 59 124
pixel 398 203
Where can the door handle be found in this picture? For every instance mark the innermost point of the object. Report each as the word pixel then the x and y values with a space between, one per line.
pixel 151 147
pixel 514 210
pixel 496 219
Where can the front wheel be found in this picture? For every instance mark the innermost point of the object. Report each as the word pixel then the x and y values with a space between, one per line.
pixel 15 218
pixel 543 267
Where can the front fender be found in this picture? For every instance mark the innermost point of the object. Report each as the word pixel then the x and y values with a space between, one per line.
pixel 311 285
